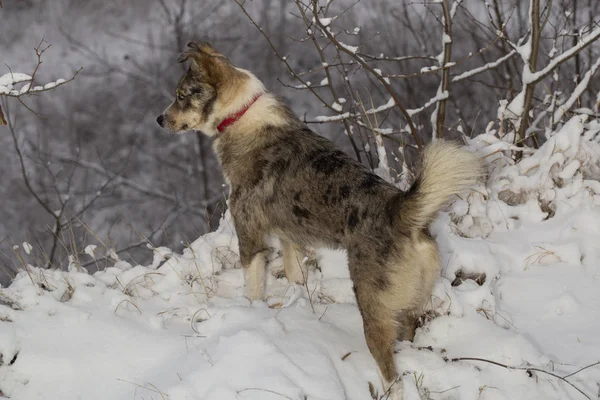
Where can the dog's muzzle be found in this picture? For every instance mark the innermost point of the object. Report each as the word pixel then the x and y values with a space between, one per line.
pixel 160 119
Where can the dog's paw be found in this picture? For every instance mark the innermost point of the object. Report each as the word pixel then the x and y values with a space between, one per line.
pixel 393 390
pixel 255 294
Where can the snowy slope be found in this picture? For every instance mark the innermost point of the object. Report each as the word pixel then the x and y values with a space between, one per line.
pixel 519 286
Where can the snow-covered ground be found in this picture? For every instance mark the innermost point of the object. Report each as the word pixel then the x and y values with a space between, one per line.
pixel 515 313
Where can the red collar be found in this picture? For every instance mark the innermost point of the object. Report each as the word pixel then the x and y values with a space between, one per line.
pixel 232 119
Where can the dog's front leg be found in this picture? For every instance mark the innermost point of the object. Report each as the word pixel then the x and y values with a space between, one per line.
pixel 293 265
pixel 253 250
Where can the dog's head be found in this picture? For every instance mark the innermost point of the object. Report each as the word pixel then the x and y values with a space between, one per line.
pixel 206 92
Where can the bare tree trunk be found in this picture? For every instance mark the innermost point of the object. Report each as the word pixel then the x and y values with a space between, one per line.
pixel 445 84
pixel 535 47
pixel 575 33
pixel 511 66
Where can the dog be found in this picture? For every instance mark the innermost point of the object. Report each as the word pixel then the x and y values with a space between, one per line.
pixel 288 181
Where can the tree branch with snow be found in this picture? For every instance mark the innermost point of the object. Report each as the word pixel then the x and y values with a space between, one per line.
pixel 351 51
pixel 18 85
pixel 439 115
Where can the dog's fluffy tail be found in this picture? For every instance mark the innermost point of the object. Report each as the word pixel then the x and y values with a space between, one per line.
pixel 447 169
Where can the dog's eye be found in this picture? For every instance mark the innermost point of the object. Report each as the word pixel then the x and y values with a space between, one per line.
pixel 180 97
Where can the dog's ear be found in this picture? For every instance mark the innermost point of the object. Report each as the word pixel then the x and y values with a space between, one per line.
pixel 205 47
pixel 206 61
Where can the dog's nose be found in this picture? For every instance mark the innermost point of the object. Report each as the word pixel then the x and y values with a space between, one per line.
pixel 160 120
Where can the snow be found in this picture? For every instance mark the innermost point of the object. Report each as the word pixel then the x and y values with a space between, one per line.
pixel 27 247
pixel 13 78
pixel 518 285
pixel 8 81
pixel 530 77
pixel 439 96
pixel 339 117
pixel 483 68
pixel 351 49
pixel 577 92
pixel 325 21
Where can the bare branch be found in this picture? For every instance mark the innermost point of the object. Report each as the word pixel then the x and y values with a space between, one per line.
pixel 530 64
pixel 577 92
pixel 403 58
pixel 437 68
pixel 241 3
pixel 529 370
pixel 119 179
pixel 544 72
pixel 344 48
pixel 7 81
pixel 486 67
pixel 439 115
pixel 24 174
pixel 328 76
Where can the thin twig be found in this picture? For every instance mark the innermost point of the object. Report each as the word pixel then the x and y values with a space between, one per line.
pixel 528 370
pixel 265 390
pixel 365 65
pixel 581 369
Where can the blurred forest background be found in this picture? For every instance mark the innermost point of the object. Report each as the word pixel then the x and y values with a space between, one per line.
pixel 86 163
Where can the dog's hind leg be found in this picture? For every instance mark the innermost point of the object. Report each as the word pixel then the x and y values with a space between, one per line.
pixel 411 284
pixel 408 321
pixel 294 267
pixel 380 329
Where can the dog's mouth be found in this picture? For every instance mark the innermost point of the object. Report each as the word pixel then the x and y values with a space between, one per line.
pixel 168 125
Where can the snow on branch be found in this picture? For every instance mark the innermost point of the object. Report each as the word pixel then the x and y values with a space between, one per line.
pixel 8 82
pixel 437 98
pixel 340 117
pixel 532 78
pixel 488 66
pixel 17 84
pixel 382 57
pixel 352 52
pixel 438 117
pixel 579 89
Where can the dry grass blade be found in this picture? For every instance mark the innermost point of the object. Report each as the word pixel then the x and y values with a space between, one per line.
pixel 193 319
pixel 152 388
pixel 2 119
pixel 266 390
pixel 127 301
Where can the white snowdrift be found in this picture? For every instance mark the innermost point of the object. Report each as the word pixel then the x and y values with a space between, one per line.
pixel 180 328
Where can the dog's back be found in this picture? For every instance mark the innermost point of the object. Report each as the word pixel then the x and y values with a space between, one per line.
pixel 308 191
